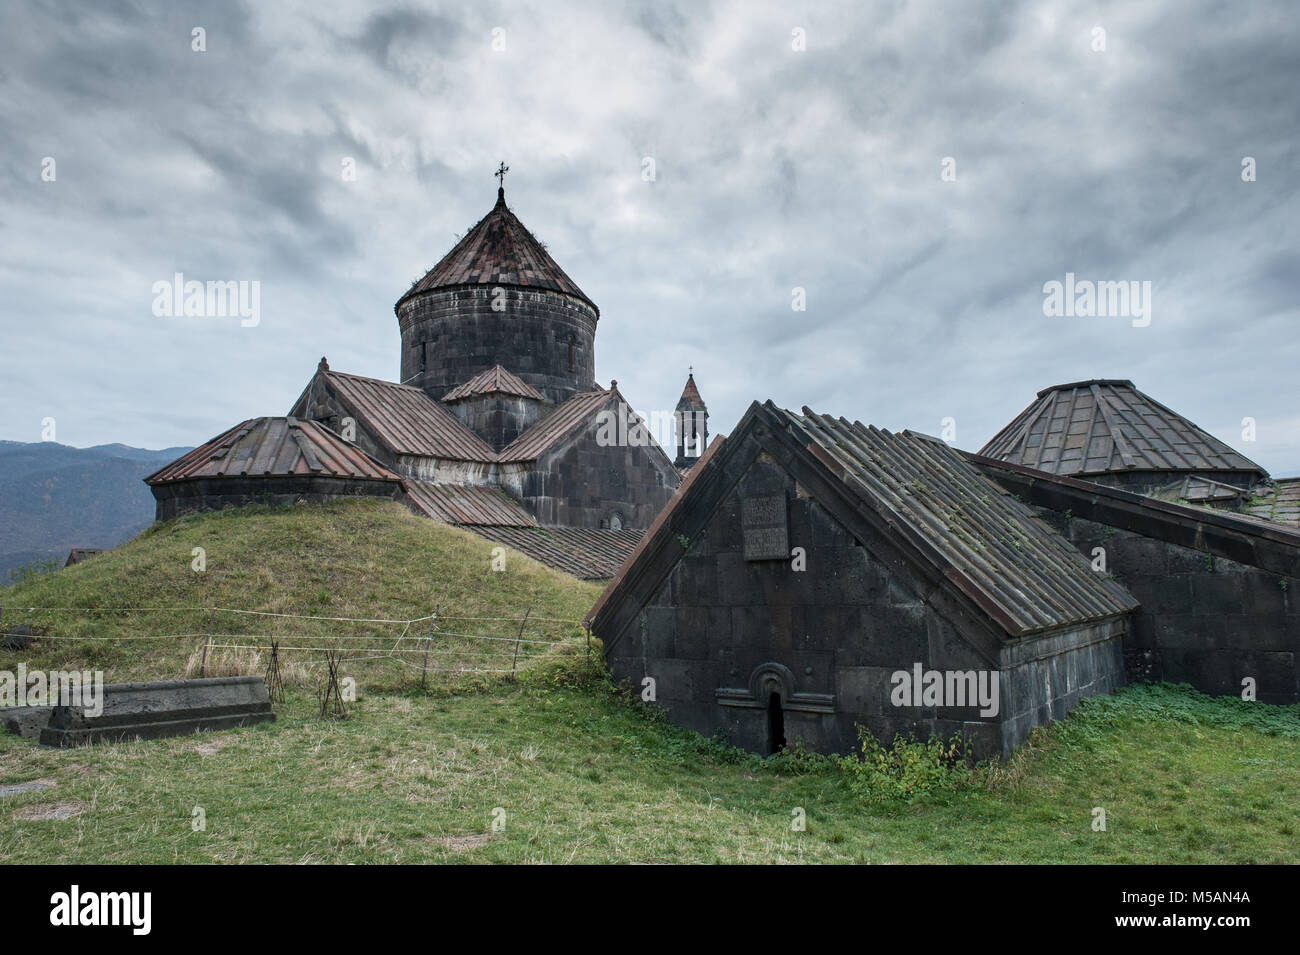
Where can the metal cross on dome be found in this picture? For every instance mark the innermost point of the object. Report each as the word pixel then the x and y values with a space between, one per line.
pixel 501 174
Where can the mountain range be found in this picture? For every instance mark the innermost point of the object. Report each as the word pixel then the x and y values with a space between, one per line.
pixel 54 497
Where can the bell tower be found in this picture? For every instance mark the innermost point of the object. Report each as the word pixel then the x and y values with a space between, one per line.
pixel 692 417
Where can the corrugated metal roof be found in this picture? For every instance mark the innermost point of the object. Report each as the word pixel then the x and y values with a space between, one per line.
pixel 1101 426
pixel 923 495
pixel 1244 538
pixel 467 505
pixel 585 553
pixel 496 380
pixel 261 447
pixel 406 420
pixel 561 422
pixel 498 250
pixel 990 545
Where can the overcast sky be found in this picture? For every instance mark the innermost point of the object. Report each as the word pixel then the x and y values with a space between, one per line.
pixel 774 168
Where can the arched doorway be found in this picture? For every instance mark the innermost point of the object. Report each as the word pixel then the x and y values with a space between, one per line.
pixel 775 724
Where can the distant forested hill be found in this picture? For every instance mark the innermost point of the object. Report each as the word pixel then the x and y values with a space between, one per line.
pixel 54 497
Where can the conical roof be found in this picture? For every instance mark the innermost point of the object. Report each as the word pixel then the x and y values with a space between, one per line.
pixel 498 250
pixel 1108 426
pixel 496 380
pixel 690 394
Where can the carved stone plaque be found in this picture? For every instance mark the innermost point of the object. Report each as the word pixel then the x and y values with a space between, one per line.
pixel 766 527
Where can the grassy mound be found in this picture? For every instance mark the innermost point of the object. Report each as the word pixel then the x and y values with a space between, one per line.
pixel 143 611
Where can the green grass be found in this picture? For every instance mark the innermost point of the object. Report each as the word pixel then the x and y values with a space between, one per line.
pixel 360 559
pixel 582 773
pixel 584 776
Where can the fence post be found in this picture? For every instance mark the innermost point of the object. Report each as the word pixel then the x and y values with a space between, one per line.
pixel 428 641
pixel 203 664
pixel 514 664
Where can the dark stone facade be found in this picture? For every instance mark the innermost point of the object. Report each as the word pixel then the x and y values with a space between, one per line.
pixel 496 418
pixel 213 494
pixel 1219 593
pixel 546 338
pixel 1205 620
pixel 730 641
pixel 580 482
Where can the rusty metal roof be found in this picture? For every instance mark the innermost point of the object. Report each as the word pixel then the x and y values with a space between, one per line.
pixel 552 429
pixel 274 447
pixel 690 394
pixel 406 420
pixel 585 553
pixel 467 505
pixel 496 380
pixel 990 545
pixel 498 250
pixel 1108 426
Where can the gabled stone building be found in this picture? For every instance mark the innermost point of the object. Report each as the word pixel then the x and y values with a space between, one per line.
pixel 1219 591
pixel 809 570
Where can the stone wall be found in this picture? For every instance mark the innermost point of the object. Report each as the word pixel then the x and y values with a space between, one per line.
pixel 214 494
pixel 1204 620
pixel 497 418
pixel 1044 678
pixel 546 338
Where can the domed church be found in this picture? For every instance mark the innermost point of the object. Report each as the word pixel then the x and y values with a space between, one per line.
pixel 497 423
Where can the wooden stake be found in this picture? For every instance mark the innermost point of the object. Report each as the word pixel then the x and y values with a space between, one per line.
pixel 514 665
pixel 203 664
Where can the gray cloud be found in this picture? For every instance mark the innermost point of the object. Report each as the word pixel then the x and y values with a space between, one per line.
pixel 775 169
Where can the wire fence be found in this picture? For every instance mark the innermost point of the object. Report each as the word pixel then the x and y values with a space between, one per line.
pixel 212 641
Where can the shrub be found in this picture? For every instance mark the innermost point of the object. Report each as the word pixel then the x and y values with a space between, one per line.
pixel 906 770
pixel 33 569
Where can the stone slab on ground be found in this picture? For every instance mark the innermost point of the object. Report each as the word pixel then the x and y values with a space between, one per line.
pixel 162 708
pixel 13 789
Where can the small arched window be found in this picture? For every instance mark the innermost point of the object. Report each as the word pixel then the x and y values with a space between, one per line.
pixel 572 366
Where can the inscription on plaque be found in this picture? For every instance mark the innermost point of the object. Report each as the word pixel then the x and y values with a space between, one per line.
pixel 766 528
